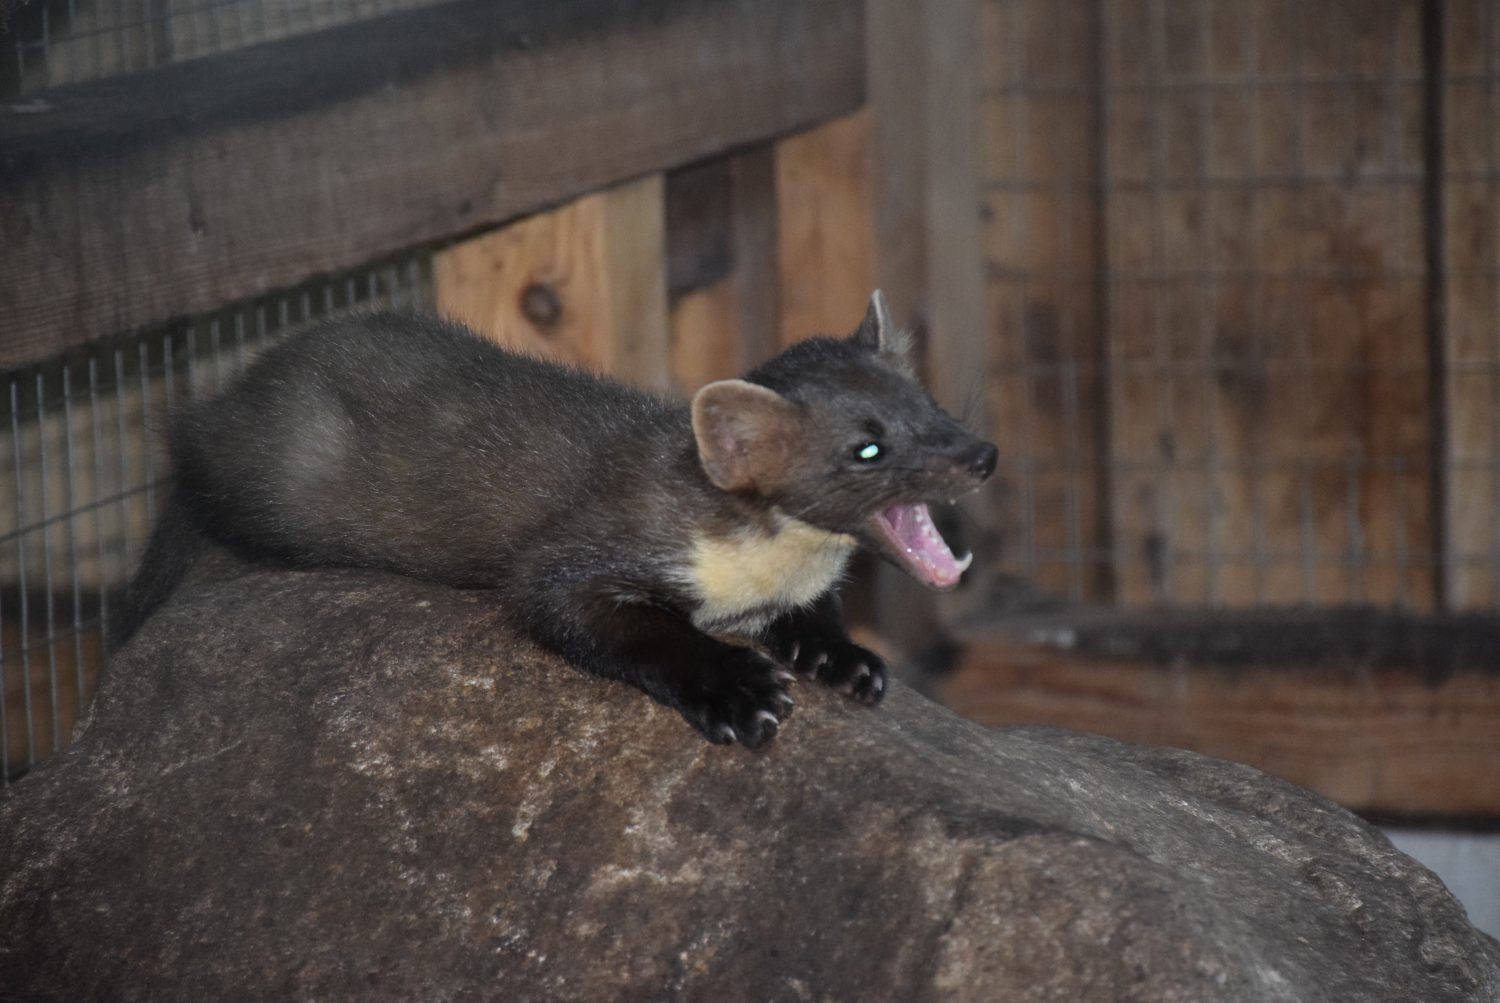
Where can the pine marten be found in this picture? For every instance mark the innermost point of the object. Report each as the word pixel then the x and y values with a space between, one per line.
pixel 627 532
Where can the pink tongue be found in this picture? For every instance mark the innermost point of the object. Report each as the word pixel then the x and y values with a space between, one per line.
pixel 924 547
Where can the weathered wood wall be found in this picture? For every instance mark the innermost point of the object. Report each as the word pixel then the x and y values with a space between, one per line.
pixel 1470 249
pixel 1213 247
pixel 1245 324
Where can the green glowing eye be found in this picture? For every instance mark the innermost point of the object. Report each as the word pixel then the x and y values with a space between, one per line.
pixel 869 451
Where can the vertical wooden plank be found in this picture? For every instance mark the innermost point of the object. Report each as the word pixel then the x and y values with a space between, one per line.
pixel 923 71
pixel 634 271
pixel 925 65
pixel 754 237
pixel 584 283
pixel 722 276
pixel 705 336
pixel 1266 330
pixel 957 354
pixel 1044 258
pixel 1471 263
pixel 895 74
pixel 825 228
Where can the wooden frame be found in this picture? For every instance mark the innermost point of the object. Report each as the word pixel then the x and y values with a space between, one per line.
pixel 1390 714
pixel 127 202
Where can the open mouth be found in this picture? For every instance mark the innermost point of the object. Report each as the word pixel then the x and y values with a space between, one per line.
pixel 907 534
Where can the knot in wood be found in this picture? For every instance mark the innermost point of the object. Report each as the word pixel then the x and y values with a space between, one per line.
pixel 541 305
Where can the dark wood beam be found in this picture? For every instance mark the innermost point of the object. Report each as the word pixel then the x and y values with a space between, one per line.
pixel 130 201
pixel 1387 713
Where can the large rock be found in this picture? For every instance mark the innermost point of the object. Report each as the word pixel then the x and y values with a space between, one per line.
pixel 344 786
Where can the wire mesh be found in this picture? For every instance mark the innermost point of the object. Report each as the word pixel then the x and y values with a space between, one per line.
pixel 1206 225
pixel 51 43
pixel 81 454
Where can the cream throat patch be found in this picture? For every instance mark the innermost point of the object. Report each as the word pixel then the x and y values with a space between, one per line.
pixel 744 578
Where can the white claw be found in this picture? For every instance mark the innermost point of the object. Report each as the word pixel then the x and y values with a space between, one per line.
pixel 879 684
pixel 765 715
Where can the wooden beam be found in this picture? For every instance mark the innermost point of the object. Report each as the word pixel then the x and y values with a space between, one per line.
pixel 1372 735
pixel 584 284
pixel 129 201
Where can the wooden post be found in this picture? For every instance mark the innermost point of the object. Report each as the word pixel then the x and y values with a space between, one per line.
pixel 584 283
pixel 925 163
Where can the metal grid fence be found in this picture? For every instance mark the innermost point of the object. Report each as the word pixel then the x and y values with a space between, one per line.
pixel 1220 379
pixel 50 43
pixel 80 461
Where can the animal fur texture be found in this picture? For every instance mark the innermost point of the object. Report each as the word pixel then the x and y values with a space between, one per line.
pixel 630 533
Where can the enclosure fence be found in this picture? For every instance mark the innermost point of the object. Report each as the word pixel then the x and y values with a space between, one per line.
pixel 53 43
pixel 1243 280
pixel 82 454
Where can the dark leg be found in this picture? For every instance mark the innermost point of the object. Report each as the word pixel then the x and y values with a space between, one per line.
pixel 726 691
pixel 814 641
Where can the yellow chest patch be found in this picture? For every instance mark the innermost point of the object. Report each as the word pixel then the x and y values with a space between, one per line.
pixel 743 579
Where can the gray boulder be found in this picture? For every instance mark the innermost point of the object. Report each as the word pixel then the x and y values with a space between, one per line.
pixel 346 786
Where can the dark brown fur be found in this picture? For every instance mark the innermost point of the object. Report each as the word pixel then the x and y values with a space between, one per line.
pixel 403 442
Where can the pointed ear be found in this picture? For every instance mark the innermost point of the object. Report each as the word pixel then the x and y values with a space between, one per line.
pixel 746 434
pixel 879 333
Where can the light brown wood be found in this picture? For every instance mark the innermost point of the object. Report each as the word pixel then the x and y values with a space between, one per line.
pixel 706 336
pixel 724 319
pixel 73 661
pixel 584 283
pixel 176 191
pixel 825 227
pixel 1375 740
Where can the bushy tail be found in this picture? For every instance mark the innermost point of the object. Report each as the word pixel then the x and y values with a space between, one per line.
pixel 176 542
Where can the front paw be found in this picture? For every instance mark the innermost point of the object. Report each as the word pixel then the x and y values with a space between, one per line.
pixel 745 699
pixel 841 664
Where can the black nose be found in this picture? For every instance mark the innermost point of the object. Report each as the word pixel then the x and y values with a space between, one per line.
pixel 980 460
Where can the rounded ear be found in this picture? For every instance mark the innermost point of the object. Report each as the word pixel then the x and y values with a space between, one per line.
pixel 745 434
pixel 878 332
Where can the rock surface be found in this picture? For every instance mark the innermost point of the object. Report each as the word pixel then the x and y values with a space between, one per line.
pixel 343 786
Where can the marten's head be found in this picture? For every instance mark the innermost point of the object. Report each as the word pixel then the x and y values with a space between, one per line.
pixel 836 432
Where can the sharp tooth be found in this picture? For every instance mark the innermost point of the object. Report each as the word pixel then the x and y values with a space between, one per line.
pixel 965 561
